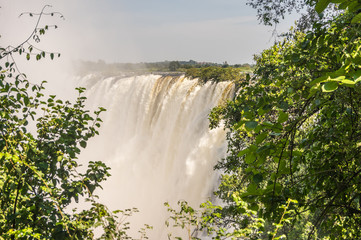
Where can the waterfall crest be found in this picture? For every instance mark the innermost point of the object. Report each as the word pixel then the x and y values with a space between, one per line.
pixel 156 139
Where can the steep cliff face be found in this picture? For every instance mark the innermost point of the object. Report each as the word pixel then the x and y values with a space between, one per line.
pixel 156 139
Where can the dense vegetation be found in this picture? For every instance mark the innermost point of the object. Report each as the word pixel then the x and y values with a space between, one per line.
pixel 293 168
pixel 295 132
pixel 219 74
pixel 39 172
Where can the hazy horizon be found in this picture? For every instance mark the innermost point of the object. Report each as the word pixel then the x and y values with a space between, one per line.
pixel 144 31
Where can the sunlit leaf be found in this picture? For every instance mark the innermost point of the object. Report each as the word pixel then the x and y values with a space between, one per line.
pixel 329 86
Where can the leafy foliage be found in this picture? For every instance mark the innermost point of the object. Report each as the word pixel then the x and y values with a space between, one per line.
pixel 186 218
pixel 270 12
pixel 38 170
pixel 295 132
pixel 218 74
pixel 210 220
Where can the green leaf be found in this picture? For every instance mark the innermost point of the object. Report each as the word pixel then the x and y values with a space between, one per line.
pixel 329 86
pixel 243 152
pixel 261 137
pixel 356 19
pixel 250 158
pixel 83 144
pixel 321 5
pixel 283 167
pixel 257 178
pixel 348 82
pixel 252 189
pixel 282 117
pixel 26 100
pixel 250 125
pixel 318 80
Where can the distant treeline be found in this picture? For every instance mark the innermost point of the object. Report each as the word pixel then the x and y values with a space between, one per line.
pixel 189 67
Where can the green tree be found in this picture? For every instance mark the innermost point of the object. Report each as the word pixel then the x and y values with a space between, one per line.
pixel 174 66
pixel 270 12
pixel 294 132
pixel 38 170
pixel 216 74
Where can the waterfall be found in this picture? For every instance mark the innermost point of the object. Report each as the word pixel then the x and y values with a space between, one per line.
pixel 156 139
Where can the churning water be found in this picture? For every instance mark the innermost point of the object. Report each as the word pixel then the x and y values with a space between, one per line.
pixel 156 139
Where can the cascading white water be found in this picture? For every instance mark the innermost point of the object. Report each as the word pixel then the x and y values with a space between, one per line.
pixel 156 139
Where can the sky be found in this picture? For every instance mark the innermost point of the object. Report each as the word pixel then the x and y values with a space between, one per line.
pixel 143 30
